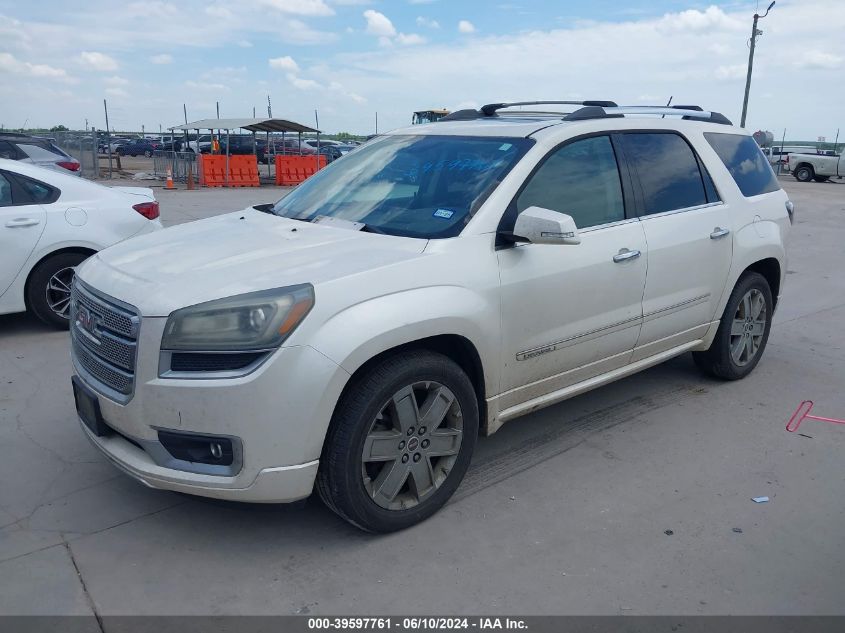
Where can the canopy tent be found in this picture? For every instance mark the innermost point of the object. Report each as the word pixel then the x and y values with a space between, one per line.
pixel 253 125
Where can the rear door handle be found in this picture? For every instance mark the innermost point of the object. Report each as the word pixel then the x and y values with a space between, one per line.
pixel 624 255
pixel 719 232
pixel 20 222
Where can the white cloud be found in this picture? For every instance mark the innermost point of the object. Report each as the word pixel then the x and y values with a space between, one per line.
pixel 410 39
pixel 734 71
pixel 818 59
pixel 97 61
pixel 300 7
pixel 284 63
pixel 204 85
pixel 465 26
pixel 428 23
pixel 244 43
pixel 151 10
pixel 692 20
pixel 9 63
pixel 116 81
pixel 297 32
pixel 303 84
pixel 217 11
pixel 162 58
pixel 116 92
pixel 379 24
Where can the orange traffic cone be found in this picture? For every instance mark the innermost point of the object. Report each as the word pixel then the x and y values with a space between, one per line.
pixel 169 184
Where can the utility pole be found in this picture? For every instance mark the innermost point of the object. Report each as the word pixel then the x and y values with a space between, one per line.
pixel 376 122
pixel 108 135
pixel 218 106
pixel 754 34
pixel 269 108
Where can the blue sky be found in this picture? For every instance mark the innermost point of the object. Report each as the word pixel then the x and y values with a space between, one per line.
pixel 352 58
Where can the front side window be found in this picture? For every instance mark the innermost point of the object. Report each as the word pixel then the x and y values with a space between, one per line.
pixel 580 179
pixel 750 170
pixel 422 186
pixel 667 169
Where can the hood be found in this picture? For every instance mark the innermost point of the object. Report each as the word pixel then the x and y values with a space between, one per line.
pixel 233 254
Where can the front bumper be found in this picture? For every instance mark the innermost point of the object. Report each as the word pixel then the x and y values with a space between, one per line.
pixel 279 413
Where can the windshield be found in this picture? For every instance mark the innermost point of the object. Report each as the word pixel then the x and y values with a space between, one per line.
pixel 415 186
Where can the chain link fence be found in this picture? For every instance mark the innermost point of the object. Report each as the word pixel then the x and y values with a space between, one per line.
pixel 82 146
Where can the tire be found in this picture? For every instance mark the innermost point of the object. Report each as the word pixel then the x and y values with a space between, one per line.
pixel 739 344
pixel 804 173
pixel 44 287
pixel 148 153
pixel 353 487
pixel 821 178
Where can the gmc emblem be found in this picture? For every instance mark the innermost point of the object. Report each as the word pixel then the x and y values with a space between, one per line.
pixel 86 320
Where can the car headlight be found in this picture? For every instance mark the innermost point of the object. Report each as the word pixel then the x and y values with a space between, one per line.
pixel 254 321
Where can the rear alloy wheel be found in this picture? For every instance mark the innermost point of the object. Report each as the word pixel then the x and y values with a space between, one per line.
pixel 400 442
pixel 804 173
pixel 48 288
pixel 743 330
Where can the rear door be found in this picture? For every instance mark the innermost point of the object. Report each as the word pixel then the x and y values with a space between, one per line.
pixel 22 222
pixel 688 231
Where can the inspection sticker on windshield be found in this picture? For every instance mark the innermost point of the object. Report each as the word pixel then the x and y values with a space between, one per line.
pixel 443 213
pixel 505 147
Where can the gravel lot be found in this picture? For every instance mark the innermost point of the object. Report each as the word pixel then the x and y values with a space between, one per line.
pixel 621 501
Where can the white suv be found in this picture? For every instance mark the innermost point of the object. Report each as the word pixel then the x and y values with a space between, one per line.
pixel 358 335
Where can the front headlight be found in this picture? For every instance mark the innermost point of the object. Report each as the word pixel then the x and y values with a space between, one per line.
pixel 254 321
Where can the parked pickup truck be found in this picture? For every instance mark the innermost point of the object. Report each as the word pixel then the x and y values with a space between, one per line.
pixel 807 167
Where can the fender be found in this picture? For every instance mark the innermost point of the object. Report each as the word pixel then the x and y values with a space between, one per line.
pixel 356 334
pixel 754 242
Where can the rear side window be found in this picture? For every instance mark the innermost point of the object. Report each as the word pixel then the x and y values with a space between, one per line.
pixel 668 171
pixel 37 152
pixel 746 163
pixel 580 179
pixel 5 192
pixel 38 191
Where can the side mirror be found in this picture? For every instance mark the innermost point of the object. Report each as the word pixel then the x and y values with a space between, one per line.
pixel 544 226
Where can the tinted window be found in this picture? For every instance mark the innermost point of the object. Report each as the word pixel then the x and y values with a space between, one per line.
pixel 709 187
pixel 37 152
pixel 580 179
pixel 38 191
pixel 743 158
pixel 7 150
pixel 5 192
pixel 668 171
pixel 418 186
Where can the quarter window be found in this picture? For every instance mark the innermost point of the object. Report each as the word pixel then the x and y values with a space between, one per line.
pixel 38 191
pixel 750 170
pixel 580 179
pixel 668 171
pixel 5 192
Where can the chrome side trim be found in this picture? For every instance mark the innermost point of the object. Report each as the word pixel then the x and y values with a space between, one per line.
pixel 648 216
pixel 675 307
pixel 578 338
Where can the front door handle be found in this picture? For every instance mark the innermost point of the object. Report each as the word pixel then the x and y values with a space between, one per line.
pixel 719 232
pixel 20 222
pixel 624 255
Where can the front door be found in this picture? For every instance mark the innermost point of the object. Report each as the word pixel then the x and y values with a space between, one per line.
pixel 571 312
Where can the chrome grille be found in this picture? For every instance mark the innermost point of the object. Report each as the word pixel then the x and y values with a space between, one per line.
pixel 104 341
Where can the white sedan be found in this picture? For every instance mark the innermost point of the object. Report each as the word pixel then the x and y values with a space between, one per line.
pixel 49 223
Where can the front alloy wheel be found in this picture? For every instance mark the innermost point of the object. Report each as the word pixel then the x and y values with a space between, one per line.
pixel 57 293
pixel 412 445
pixel 400 441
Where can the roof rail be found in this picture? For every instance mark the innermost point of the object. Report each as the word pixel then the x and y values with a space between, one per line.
pixel 491 108
pixel 686 112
